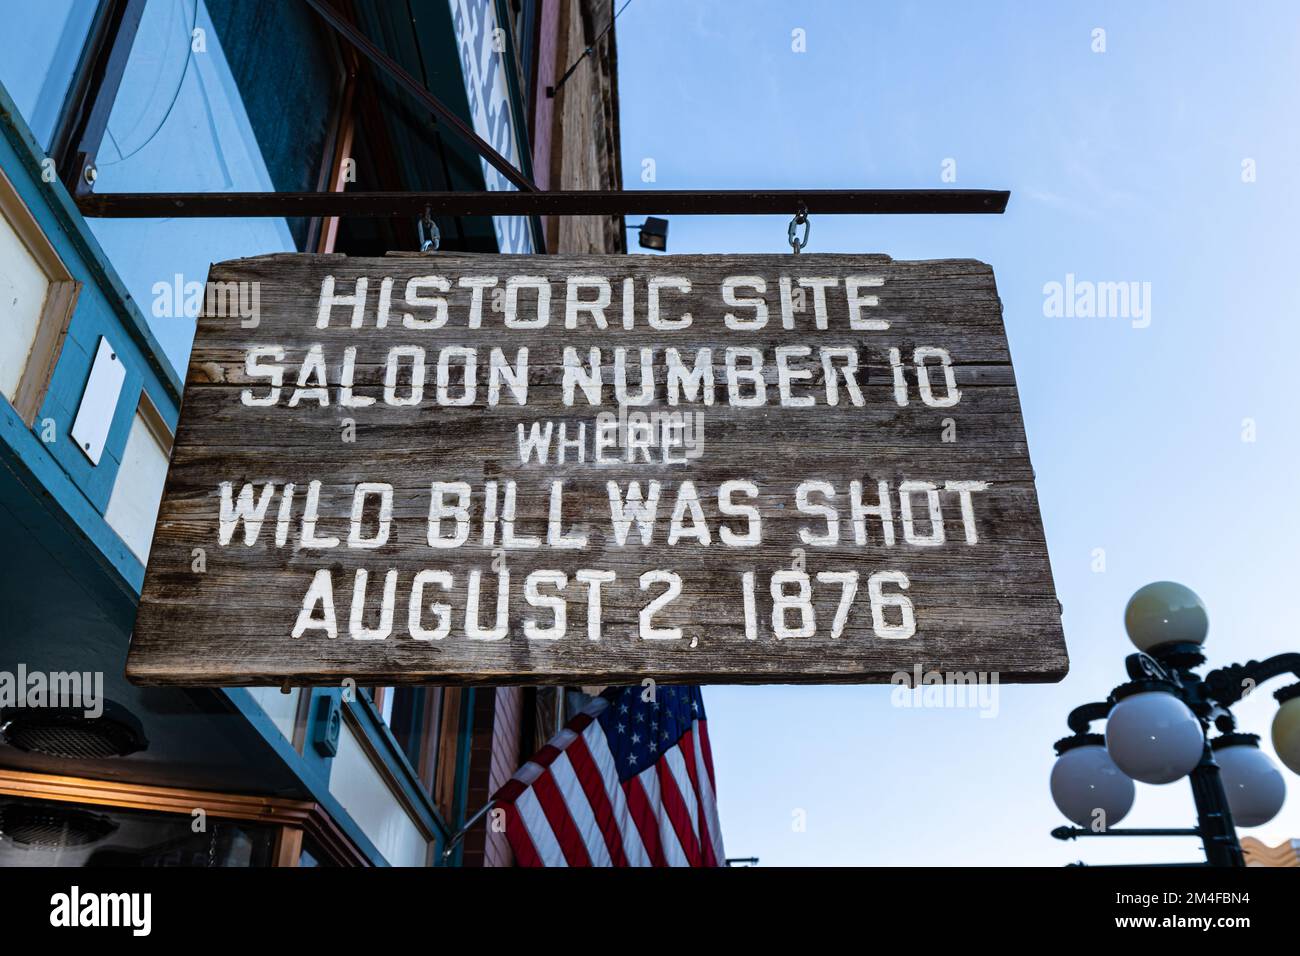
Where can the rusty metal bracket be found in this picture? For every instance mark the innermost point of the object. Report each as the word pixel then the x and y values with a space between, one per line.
pixel 735 202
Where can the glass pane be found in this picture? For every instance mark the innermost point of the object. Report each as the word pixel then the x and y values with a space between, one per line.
pixel 291 99
pixel 181 123
pixel 41 833
pixel 40 46
pixel 407 721
pixel 282 708
pixel 312 855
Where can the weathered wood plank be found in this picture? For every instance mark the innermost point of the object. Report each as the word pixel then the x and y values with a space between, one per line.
pixel 768 556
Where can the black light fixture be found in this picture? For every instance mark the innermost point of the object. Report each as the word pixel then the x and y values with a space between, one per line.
pixel 50 826
pixel 654 234
pixel 68 732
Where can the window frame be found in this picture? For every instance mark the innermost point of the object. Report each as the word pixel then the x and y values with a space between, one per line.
pixel 61 293
pixel 92 94
pixel 93 91
pixel 293 818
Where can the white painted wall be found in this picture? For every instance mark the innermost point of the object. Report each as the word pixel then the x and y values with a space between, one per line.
pixel 23 284
pixel 280 707
pixel 360 788
pixel 137 490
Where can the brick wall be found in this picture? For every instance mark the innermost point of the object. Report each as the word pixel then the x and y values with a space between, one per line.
pixel 507 747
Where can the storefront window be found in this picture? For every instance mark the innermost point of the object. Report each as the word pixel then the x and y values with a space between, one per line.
pixel 312 855
pixel 47 833
pixel 413 714
pixel 40 46
pixel 195 114
pixel 413 721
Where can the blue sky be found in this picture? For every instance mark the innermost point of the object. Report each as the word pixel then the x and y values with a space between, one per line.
pixel 1124 165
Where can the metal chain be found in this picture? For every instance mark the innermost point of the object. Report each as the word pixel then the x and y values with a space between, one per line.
pixel 430 238
pixel 800 219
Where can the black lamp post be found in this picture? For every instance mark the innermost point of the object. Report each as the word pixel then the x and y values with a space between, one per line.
pixel 1157 731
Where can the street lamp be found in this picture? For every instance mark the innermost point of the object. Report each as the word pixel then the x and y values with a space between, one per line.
pixel 1254 786
pixel 1086 783
pixel 1286 727
pixel 1157 728
pixel 1152 735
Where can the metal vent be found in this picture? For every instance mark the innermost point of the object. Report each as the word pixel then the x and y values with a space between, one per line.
pixel 40 826
pixel 68 732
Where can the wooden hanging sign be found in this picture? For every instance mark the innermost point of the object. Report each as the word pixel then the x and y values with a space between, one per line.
pixel 463 469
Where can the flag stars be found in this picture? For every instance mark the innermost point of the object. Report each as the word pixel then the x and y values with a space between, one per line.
pixel 641 732
pixel 642 736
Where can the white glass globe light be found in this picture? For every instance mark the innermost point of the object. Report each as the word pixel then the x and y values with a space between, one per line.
pixel 1286 733
pixel 1088 788
pixel 1164 612
pixel 1153 737
pixel 1254 786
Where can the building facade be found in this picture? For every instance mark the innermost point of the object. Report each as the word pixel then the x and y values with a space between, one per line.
pixel 97 318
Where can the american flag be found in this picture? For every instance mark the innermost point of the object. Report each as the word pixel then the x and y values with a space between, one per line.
pixel 627 782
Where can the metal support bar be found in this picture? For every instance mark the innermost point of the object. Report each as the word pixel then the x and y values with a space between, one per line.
pixel 94 91
pixel 1081 718
pixel 1126 866
pixel 733 202
pixel 413 86
pixel 455 839
pixel 1227 685
pixel 1213 815
pixel 1071 833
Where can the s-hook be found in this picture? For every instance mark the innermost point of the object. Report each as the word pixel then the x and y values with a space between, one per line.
pixel 430 238
pixel 800 219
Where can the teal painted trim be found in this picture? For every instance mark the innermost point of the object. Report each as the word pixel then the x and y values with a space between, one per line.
pixel 385 744
pixel 314 769
pixel 464 748
pixel 58 473
pixel 48 485
pixel 103 310
pixel 320 764
pixel 30 497
pixel 72 231
pixel 316 783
